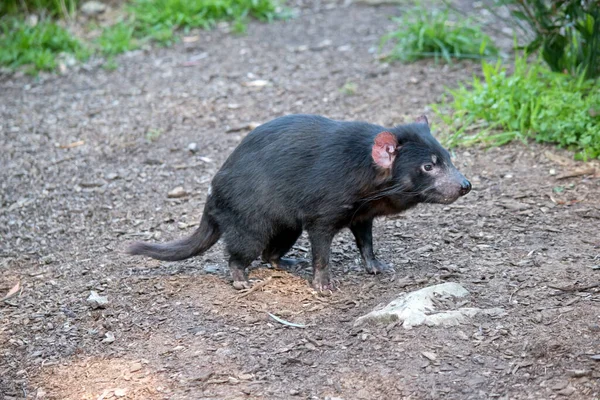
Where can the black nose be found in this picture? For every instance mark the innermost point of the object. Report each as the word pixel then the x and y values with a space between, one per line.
pixel 465 187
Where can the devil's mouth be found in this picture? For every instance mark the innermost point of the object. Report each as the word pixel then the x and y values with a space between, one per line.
pixel 440 199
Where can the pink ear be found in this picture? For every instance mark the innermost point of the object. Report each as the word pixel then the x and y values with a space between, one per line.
pixel 422 120
pixel 384 150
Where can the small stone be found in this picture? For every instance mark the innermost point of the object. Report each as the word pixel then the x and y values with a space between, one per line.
pixel 111 176
pixel 92 8
pixel 49 259
pixel 245 377
pixel 120 392
pixel 429 355
pixel 294 392
pixel 92 184
pixel 552 171
pixel 578 373
pixel 192 147
pixel 135 367
pixel 32 20
pixel 258 83
pixel 41 393
pixel 569 390
pixel 96 301
pixel 310 346
pixel 560 385
pixel 177 193
pixel 461 335
pixel 109 337
pixel 323 44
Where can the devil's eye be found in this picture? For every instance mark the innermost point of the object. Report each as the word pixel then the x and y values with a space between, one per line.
pixel 427 167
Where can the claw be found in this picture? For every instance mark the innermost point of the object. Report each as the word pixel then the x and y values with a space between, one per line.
pixel 241 285
pixel 321 282
pixel 377 267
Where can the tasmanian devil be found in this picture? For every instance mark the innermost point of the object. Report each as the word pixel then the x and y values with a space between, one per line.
pixel 307 172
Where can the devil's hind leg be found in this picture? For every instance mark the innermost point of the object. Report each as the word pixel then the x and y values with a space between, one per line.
pixel 279 245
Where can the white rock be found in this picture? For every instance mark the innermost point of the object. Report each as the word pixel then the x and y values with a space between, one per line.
pixel 96 301
pixel 416 308
pixel 193 147
pixel 177 193
pixel 109 337
pixel 92 8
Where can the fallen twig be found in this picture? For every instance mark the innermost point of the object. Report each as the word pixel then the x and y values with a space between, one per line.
pixel 71 145
pixel 254 288
pixel 12 292
pixel 577 172
pixel 284 322
pixel 575 288
pixel 521 285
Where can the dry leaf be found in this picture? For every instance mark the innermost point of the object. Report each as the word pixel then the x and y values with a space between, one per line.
pixel 577 172
pixel 190 39
pixel 71 145
pixel 558 159
pixel 12 292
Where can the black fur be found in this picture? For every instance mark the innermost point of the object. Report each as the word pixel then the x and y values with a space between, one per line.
pixel 306 172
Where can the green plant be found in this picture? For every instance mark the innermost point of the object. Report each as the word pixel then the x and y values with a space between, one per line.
pixel 153 134
pixel 532 102
pixel 431 34
pixel 349 89
pixel 51 8
pixel 110 64
pixel 158 18
pixel 117 39
pixel 567 32
pixel 39 47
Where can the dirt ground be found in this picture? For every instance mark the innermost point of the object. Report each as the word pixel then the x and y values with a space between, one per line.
pixel 87 161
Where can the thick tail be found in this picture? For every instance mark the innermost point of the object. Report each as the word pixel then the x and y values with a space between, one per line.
pixel 202 239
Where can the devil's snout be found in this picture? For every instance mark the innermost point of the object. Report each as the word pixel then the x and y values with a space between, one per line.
pixel 465 187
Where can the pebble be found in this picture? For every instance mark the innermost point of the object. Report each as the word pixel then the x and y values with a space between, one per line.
pixel 192 147
pixel 578 373
pixel 49 259
pixel 177 193
pixel 96 301
pixel 135 367
pixel 429 355
pixel 569 390
pixel 92 8
pixel 559 385
pixel 109 337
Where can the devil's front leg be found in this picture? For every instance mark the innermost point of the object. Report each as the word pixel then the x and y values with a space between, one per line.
pixel 363 233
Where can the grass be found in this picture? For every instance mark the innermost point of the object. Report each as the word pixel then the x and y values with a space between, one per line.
pixel 41 46
pixel 158 19
pixel 117 39
pixel 38 47
pixel 48 8
pixel 423 33
pixel 531 103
